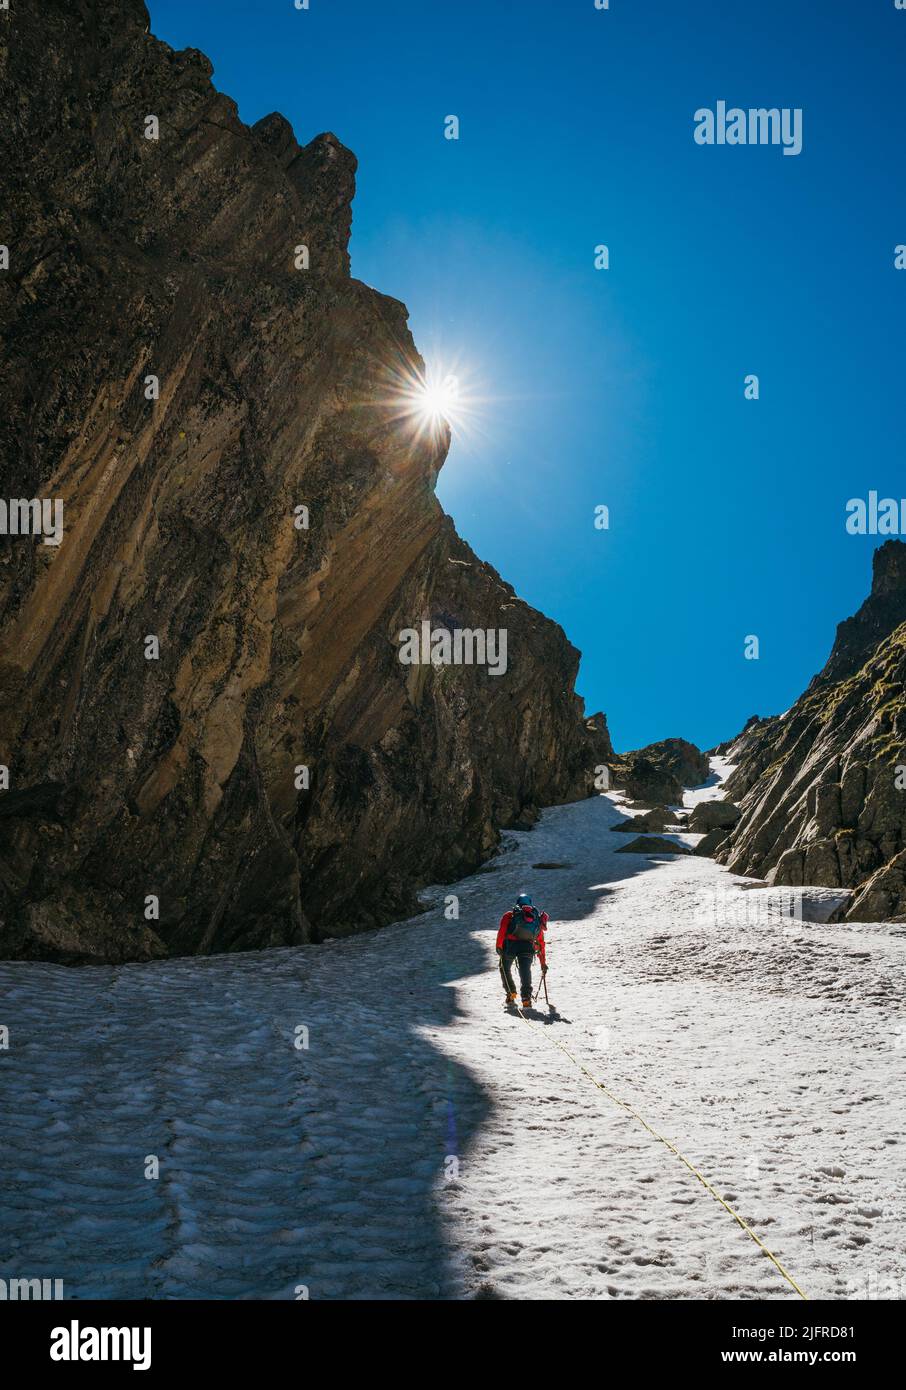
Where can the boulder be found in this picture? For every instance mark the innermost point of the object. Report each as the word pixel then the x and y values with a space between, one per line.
pixel 710 843
pixel 712 815
pixel 655 819
pixel 653 844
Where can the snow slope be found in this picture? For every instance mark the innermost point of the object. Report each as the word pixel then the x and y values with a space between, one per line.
pixel 427 1144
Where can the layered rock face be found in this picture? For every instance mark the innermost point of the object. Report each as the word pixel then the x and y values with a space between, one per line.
pixel 277 645
pixel 822 801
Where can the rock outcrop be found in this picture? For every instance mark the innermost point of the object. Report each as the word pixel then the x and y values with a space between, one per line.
pixel 660 771
pixel 859 637
pixel 688 764
pixel 655 819
pixel 819 789
pixel 644 782
pixel 201 697
pixel 653 844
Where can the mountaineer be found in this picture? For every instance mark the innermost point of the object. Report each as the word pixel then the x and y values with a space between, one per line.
pixel 519 939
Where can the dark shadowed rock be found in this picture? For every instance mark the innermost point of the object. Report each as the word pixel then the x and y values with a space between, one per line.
pixel 182 777
pixel 688 764
pixel 653 844
pixel 655 819
pixel 644 781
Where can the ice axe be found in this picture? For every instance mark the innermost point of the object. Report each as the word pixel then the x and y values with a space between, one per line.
pixel 550 1007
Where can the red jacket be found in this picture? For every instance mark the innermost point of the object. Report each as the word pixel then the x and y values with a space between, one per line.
pixel 503 934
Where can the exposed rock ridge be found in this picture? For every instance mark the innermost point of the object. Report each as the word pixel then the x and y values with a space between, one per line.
pixel 178 777
pixel 821 799
pixel 660 771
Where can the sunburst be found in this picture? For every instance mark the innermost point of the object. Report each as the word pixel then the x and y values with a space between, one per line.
pixel 433 402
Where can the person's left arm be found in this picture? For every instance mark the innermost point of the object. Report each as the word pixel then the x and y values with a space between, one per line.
pixel 540 943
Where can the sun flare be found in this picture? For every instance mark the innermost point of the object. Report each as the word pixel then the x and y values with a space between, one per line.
pixel 434 401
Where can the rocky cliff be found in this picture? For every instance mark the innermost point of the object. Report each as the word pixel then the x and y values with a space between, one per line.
pixel 821 798
pixel 184 378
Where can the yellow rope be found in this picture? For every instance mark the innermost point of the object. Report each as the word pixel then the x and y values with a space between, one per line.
pixel 674 1150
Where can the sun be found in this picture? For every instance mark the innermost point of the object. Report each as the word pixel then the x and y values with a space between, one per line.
pixel 433 402
pixel 436 400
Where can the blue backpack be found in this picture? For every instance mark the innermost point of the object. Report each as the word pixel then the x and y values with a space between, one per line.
pixel 525 924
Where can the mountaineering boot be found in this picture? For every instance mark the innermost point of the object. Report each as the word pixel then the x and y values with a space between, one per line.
pixel 527 1003
pixel 510 998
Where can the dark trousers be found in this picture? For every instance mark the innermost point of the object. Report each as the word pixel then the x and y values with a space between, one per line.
pixel 524 961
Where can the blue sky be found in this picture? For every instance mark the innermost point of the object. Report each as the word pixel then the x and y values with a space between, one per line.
pixel 624 387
